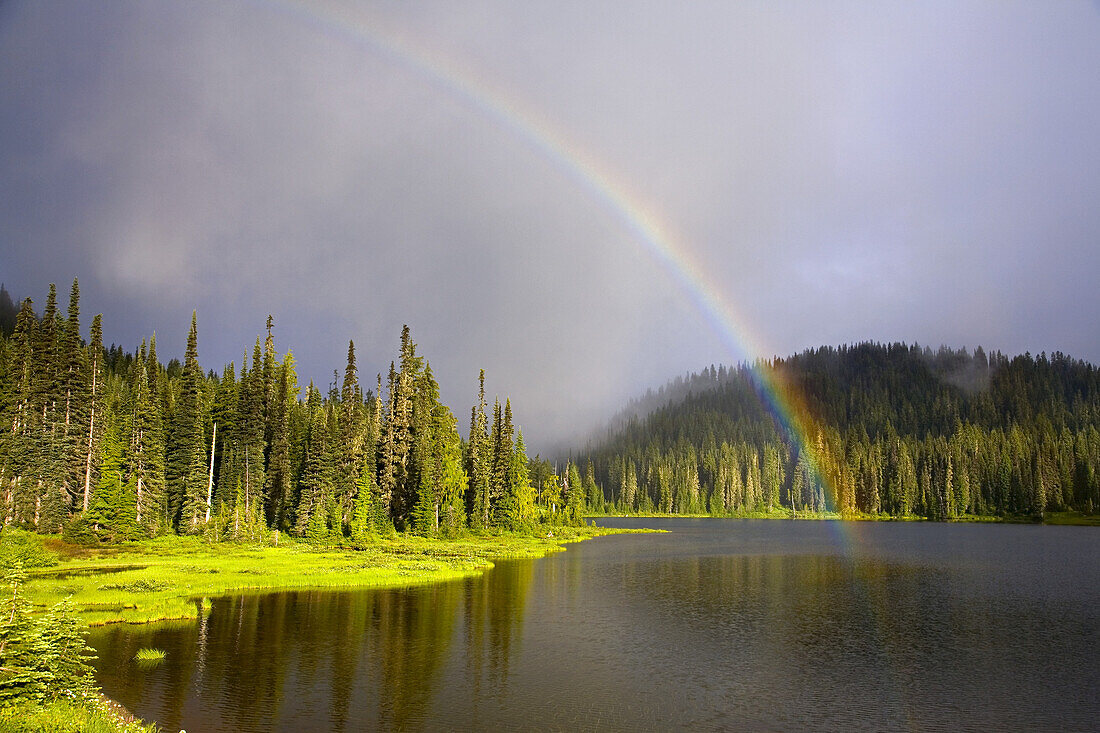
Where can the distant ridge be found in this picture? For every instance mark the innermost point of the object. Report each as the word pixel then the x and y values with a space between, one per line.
pixel 902 430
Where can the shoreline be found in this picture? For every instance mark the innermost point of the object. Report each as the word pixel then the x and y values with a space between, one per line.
pixel 1075 519
pixel 171 578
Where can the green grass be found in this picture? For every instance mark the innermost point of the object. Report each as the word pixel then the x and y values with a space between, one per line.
pixel 95 714
pixel 149 656
pixel 1072 518
pixel 169 577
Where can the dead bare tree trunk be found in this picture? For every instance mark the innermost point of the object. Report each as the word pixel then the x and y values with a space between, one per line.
pixel 91 435
pixel 210 480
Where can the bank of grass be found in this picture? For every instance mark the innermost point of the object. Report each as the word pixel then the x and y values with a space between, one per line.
pixel 168 577
pixel 1072 518
pixel 95 714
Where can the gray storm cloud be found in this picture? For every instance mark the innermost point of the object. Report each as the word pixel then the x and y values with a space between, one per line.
pixel 918 172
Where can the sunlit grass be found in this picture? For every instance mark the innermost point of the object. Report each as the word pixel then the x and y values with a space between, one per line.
pixel 171 577
pixel 147 656
pixel 1072 518
pixel 94 714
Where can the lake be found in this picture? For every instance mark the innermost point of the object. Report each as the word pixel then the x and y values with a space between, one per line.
pixel 717 625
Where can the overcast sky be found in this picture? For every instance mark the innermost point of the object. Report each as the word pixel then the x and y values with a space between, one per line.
pixel 842 172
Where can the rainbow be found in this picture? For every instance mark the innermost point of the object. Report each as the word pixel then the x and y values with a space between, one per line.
pixel 780 396
pixel 641 221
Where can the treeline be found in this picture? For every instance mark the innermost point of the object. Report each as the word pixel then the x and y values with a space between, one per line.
pixel 110 445
pixel 867 429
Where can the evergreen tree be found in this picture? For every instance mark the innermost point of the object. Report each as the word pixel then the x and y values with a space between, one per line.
pixel 574 496
pixel 112 516
pixel 146 450
pixel 75 385
pixel 351 438
pixel 478 461
pixel 518 507
pixel 186 470
pixel 279 474
pixel 23 650
pixel 367 515
pixel 593 495
pixel 315 503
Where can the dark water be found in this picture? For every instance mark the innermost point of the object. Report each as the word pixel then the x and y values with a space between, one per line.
pixel 721 624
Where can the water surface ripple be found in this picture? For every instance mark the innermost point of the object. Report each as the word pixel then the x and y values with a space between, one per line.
pixel 717 625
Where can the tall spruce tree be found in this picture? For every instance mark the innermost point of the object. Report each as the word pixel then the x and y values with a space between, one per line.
pixel 146 449
pixel 279 474
pixel 478 461
pixel 315 507
pixel 186 469
pixel 350 439
pixel 520 508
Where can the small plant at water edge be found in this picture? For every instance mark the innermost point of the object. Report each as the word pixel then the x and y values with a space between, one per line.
pixel 149 656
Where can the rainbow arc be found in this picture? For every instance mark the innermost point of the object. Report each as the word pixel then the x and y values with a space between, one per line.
pixel 645 226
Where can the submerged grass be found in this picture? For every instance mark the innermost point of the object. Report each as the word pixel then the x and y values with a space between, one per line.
pixel 170 577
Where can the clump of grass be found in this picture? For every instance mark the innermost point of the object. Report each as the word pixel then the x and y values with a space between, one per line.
pixel 147 655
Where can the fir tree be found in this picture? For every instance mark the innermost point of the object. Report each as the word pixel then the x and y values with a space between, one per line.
pixel 350 449
pixel 186 469
pixel 478 452
pixel 146 450
pixel 279 474
pixel 314 505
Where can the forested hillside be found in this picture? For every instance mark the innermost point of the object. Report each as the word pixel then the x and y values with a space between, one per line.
pixel 107 444
pixel 871 428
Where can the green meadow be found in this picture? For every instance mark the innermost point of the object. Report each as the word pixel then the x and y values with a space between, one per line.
pixel 168 577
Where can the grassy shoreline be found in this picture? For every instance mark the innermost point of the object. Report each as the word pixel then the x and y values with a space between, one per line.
pixel 167 578
pixel 173 578
pixel 1051 518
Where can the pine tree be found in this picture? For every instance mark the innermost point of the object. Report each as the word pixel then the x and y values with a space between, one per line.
pixel 75 384
pixel 146 450
pixel 314 506
pixel 593 495
pixel 628 491
pixel 20 434
pixel 430 425
pixel 500 446
pixel 22 648
pixel 574 496
pixel 186 469
pixel 363 525
pixel 250 430
pixel 771 478
pixel 452 481
pixel 112 516
pixel 350 450
pixel 279 474
pixel 478 461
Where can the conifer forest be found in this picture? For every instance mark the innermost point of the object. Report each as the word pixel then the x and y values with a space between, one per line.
pixel 106 444
pixel 879 430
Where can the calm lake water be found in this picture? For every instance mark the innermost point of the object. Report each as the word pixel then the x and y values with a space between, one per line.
pixel 719 624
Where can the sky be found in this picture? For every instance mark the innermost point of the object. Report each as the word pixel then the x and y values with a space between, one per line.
pixel 584 199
